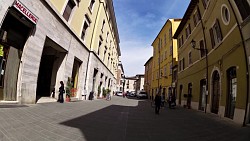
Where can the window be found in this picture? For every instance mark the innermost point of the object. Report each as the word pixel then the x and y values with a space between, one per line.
pixel 190 58
pixel 243 7
pixel 215 34
pixel 196 17
pixel 182 64
pixel 103 23
pixel 165 39
pixel 165 71
pixel 205 3
pixel 188 31
pixel 225 14
pixel 171 50
pixel 107 37
pixel 166 54
pixel 104 55
pixel 170 33
pixel 99 45
pixel 170 68
pixel 202 49
pixel 91 5
pixel 85 27
pixel 68 9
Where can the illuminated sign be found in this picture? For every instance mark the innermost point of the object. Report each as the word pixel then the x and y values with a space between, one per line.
pixel 25 11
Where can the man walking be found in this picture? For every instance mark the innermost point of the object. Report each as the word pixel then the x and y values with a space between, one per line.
pixel 157 104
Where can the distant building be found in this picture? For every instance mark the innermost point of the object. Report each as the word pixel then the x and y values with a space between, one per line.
pixel 148 76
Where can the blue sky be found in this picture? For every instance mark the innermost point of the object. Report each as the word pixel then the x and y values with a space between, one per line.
pixel 139 22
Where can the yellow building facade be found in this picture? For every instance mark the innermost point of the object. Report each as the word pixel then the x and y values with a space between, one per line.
pixel 212 69
pixel 148 77
pixel 164 55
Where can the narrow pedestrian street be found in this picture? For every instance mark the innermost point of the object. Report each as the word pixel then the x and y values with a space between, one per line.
pixel 120 119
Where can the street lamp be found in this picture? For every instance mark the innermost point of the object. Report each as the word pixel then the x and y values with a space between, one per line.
pixel 193 44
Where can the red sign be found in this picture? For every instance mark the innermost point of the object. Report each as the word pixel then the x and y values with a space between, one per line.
pixel 25 11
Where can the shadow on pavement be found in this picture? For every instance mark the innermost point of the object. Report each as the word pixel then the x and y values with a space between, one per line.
pixel 139 123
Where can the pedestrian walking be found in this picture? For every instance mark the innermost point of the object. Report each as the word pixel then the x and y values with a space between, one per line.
pixel 170 100
pixel 157 104
pixel 61 92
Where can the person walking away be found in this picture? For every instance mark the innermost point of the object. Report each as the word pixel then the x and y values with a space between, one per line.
pixel 157 103
pixel 170 100
pixel 61 92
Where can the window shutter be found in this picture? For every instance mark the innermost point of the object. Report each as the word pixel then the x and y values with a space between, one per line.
pixel 212 37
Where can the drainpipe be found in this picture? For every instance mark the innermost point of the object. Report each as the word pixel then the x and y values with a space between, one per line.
pixel 246 60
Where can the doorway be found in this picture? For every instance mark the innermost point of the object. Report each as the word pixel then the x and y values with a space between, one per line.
pixel 189 95
pixel 180 94
pixel 75 76
pixel 202 101
pixel 17 31
pixel 231 92
pixel 215 92
pixel 51 60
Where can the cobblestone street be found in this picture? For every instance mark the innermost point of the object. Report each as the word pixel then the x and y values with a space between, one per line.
pixel 120 119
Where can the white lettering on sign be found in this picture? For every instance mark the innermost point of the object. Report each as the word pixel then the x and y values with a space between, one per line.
pixel 25 11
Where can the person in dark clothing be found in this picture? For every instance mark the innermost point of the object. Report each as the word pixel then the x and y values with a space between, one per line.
pixel 157 103
pixel 61 92
pixel 91 95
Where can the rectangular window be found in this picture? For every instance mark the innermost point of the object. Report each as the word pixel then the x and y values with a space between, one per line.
pixel 170 69
pixel 99 45
pixel 202 49
pixel 215 34
pixel 196 17
pixel 190 58
pixel 104 55
pixel 243 7
pixel 68 10
pixel 165 39
pixel 103 23
pixel 85 27
pixel 183 64
pixel 205 3
pixel 170 33
pixel 188 31
pixel 171 50
pixel 91 5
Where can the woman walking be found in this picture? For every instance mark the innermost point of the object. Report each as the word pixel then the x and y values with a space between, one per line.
pixel 61 92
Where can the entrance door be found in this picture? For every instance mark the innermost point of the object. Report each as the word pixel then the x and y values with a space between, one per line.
pixel 215 92
pixel 202 101
pixel 180 94
pixel 232 92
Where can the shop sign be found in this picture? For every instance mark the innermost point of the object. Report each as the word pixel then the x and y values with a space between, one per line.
pixel 25 11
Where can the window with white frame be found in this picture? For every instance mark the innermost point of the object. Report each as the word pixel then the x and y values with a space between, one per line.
pixel 107 37
pixel 243 7
pixel 215 34
pixel 104 54
pixel 68 9
pixel 85 27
